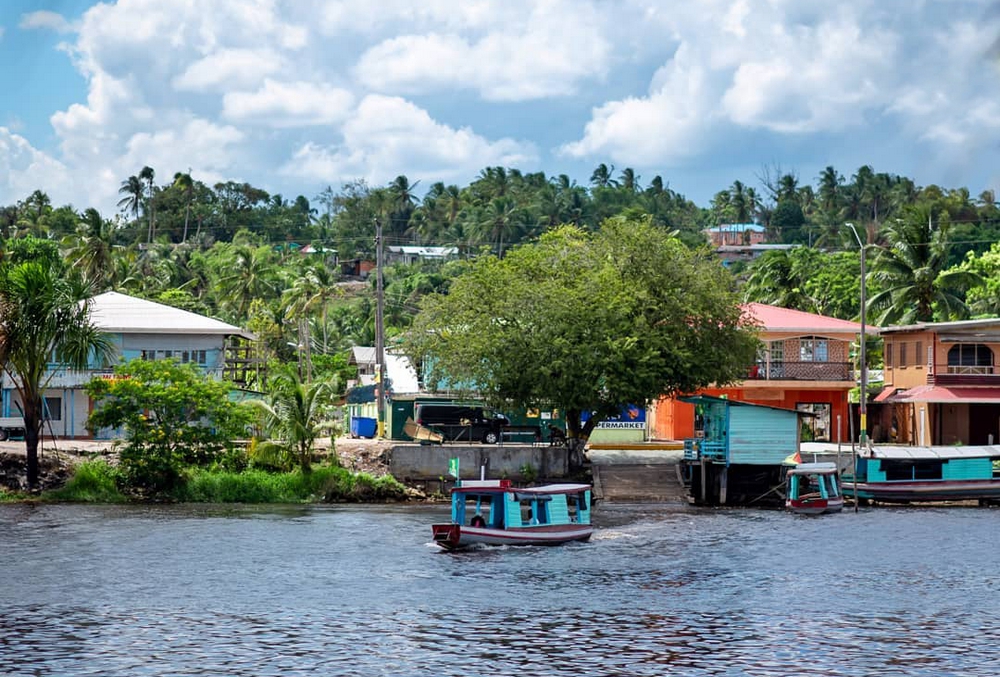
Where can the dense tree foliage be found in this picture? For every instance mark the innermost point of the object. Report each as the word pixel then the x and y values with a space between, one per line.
pixel 587 322
pixel 236 252
pixel 173 416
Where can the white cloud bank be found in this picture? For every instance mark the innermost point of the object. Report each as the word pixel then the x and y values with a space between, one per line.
pixel 293 98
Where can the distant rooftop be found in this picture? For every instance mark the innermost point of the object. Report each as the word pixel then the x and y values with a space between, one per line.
pixel 736 228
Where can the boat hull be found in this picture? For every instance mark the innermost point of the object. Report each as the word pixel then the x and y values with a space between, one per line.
pixel 932 490
pixel 457 536
pixel 815 506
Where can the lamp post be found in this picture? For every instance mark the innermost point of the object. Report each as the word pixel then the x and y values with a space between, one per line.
pixel 863 395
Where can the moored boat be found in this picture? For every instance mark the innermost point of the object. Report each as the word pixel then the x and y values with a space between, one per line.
pixel 492 512
pixel 813 489
pixel 897 474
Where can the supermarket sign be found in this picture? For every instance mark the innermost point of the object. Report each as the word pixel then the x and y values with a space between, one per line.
pixel 631 417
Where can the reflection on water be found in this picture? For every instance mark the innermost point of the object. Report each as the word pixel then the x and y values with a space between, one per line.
pixel 360 591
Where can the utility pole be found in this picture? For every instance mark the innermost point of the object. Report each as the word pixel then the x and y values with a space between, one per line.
pixel 863 397
pixel 379 332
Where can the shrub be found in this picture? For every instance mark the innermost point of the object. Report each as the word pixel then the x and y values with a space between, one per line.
pixel 92 482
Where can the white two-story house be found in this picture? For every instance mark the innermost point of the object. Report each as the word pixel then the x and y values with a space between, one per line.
pixel 139 329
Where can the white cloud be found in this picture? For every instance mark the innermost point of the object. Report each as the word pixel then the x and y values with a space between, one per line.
pixel 666 125
pixel 537 55
pixel 24 169
pixel 207 148
pixel 229 69
pixel 290 104
pixel 46 20
pixel 388 136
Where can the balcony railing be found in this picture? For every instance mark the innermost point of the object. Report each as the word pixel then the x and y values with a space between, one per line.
pixel 696 448
pixel 962 375
pixel 802 371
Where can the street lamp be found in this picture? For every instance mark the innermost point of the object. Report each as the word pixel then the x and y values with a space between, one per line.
pixel 863 397
pixel 863 409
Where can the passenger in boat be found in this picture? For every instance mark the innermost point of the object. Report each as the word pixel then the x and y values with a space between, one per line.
pixel 477 521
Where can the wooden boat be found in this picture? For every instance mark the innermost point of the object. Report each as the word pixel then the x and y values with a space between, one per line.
pixel 492 512
pixel 420 433
pixel 813 489
pixel 897 474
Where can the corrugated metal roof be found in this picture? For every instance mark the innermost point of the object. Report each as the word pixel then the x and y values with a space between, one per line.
pixel 940 452
pixel 114 312
pixel 775 319
pixel 928 393
pixel 362 355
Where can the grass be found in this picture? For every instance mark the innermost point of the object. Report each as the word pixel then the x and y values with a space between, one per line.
pixel 93 482
pixel 326 484
pixel 97 482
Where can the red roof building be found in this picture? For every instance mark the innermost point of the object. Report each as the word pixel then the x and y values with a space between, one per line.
pixel 805 363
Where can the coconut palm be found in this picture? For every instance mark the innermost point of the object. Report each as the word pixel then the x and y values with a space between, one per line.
pixel 911 274
pixel 44 318
pixel 133 191
pixel 295 416
pixel 185 184
pixel 148 175
pixel 92 247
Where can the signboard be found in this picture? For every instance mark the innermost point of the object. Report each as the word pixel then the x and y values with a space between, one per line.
pixel 631 417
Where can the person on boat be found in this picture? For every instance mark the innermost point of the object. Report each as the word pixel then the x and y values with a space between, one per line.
pixel 477 521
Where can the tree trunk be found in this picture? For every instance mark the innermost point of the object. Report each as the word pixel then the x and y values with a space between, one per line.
pixel 32 435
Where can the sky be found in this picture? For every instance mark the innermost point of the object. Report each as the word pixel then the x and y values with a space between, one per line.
pixel 293 96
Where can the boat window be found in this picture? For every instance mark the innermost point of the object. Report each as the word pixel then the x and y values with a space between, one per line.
pixel 534 510
pixel 912 470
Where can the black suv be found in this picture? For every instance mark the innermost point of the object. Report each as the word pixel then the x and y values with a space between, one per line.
pixel 461 422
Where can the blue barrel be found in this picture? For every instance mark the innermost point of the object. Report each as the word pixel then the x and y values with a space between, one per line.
pixel 363 427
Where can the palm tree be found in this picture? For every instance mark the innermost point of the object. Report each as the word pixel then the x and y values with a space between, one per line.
pixel 133 191
pixel 294 416
pixel 92 248
pixel 601 178
pixel 185 184
pixel 912 275
pixel 147 174
pixel 629 180
pixel 249 276
pixel 44 317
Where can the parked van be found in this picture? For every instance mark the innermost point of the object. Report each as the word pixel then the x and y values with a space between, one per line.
pixel 461 422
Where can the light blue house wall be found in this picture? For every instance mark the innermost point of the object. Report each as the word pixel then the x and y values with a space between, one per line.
pixel 761 435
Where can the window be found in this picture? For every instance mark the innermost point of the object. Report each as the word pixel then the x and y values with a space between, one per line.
pixel 973 355
pixel 918 354
pixel 902 354
pixel 53 409
pixel 183 356
pixel 888 354
pixel 778 351
pixel 813 349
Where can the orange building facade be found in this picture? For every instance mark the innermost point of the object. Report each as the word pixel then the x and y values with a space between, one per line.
pixel 805 364
pixel 942 383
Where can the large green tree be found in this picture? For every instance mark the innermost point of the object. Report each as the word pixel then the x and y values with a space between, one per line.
pixel 44 327
pixel 586 323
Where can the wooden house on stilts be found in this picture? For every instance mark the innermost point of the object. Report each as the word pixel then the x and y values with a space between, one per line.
pixel 739 450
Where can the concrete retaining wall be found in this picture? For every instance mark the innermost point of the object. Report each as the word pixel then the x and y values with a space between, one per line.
pixel 420 462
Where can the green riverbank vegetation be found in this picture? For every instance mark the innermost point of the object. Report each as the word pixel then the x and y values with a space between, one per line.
pixel 186 440
pixel 98 481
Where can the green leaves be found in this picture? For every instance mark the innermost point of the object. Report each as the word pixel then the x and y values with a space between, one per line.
pixel 586 322
pixel 172 416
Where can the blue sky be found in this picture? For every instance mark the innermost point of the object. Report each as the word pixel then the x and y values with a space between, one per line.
pixel 293 96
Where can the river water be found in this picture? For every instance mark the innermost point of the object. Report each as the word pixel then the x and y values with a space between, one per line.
pixel 264 590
